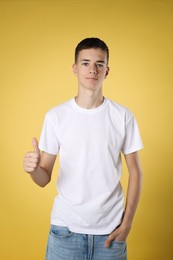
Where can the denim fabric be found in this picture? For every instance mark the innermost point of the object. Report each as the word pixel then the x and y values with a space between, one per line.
pixel 66 245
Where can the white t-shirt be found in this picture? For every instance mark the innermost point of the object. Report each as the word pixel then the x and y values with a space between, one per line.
pixel 89 142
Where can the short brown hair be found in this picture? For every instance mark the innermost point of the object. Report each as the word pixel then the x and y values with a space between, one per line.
pixel 89 43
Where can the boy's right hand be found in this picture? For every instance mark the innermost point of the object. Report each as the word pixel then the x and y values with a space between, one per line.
pixel 31 159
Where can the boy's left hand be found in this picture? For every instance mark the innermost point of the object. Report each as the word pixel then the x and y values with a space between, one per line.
pixel 120 234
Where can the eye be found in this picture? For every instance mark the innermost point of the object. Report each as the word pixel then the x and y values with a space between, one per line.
pixel 100 65
pixel 85 63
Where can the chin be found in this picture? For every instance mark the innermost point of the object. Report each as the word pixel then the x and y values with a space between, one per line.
pixel 91 86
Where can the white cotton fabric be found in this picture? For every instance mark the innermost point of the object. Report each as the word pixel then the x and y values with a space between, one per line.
pixel 89 142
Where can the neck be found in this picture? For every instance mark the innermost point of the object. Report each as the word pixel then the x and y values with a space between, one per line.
pixel 89 100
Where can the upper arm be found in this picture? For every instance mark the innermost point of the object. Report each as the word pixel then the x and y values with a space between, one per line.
pixel 133 162
pixel 47 162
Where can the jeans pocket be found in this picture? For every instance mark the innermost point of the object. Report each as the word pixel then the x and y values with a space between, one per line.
pixel 60 231
pixel 120 249
pixel 119 242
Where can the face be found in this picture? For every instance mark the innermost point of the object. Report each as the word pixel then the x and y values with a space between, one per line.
pixel 91 68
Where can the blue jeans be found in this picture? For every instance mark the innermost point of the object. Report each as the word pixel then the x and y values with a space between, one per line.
pixel 66 245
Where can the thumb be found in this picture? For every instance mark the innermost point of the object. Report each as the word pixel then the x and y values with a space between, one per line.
pixel 35 145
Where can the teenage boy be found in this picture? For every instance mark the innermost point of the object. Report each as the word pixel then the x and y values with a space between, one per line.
pixel 89 132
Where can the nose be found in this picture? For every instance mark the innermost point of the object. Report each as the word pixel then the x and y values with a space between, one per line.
pixel 93 69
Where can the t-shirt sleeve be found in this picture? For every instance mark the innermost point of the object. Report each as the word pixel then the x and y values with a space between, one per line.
pixel 49 139
pixel 132 141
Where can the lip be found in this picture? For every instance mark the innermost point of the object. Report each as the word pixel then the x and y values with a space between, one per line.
pixel 91 78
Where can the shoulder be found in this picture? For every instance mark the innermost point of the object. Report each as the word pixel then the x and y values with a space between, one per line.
pixel 59 109
pixel 57 113
pixel 121 110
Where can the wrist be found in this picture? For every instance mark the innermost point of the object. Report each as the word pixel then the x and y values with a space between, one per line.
pixel 126 223
pixel 35 172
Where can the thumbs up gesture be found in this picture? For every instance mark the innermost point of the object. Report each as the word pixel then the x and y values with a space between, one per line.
pixel 35 145
pixel 31 159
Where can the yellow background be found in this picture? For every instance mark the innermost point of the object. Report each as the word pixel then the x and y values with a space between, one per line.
pixel 37 41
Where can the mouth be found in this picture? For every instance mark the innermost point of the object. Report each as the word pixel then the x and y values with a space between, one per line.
pixel 92 78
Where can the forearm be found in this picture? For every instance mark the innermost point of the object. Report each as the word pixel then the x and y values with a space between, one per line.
pixel 133 195
pixel 40 176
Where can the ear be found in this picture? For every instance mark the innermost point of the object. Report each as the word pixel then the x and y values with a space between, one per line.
pixel 74 67
pixel 107 72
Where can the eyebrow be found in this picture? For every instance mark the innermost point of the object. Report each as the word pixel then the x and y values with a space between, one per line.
pixel 100 61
